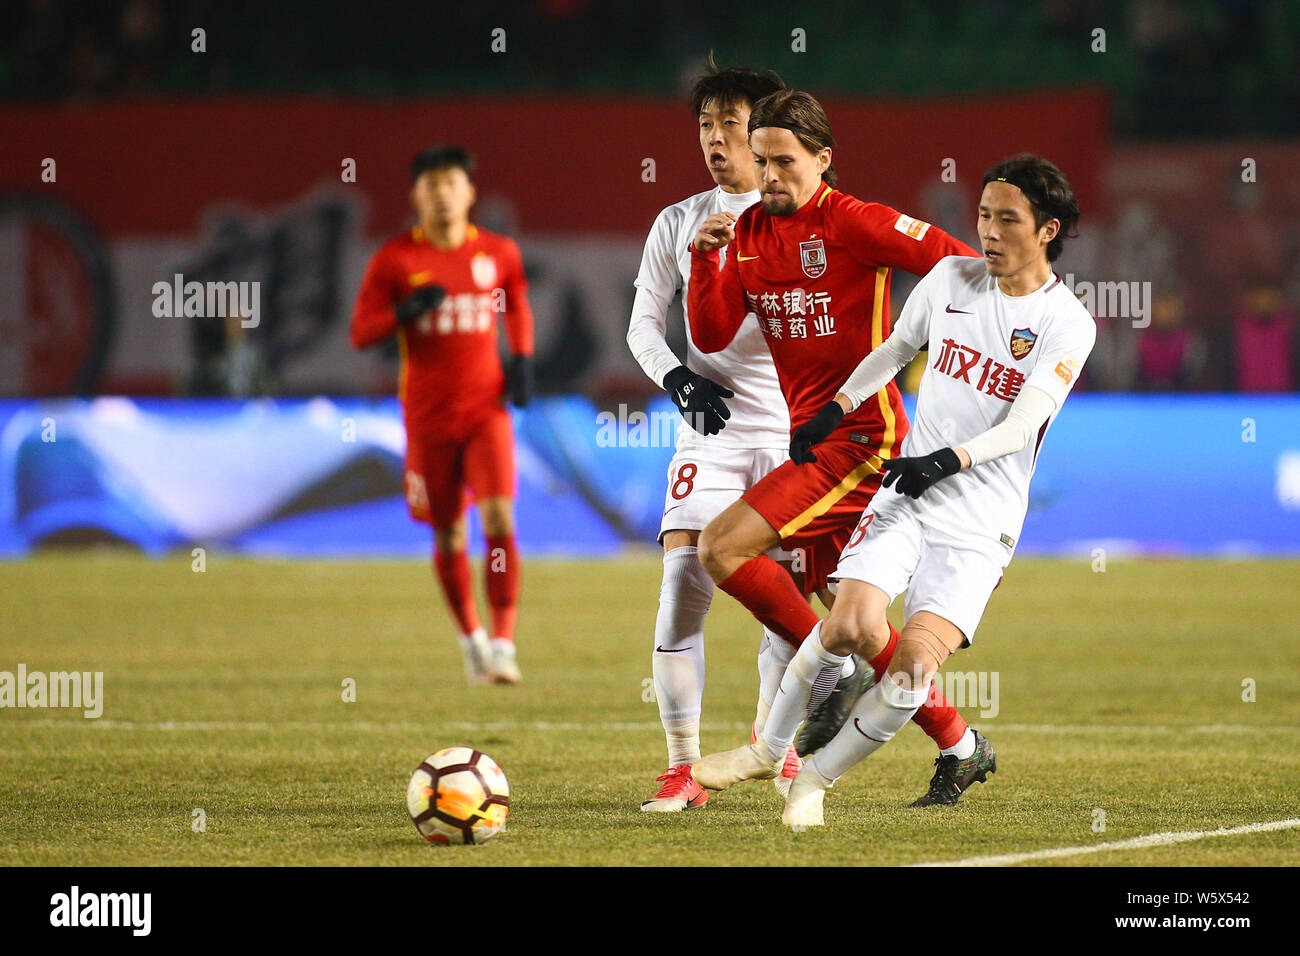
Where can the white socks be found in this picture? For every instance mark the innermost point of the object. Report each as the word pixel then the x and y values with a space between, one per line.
pixel 882 712
pixel 678 658
pixel 774 656
pixel 791 704
pixel 825 683
pixel 963 748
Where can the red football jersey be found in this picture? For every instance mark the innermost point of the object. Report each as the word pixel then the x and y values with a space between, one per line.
pixel 818 280
pixel 451 374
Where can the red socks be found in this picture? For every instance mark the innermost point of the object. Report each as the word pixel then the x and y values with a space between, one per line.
pixel 937 717
pixel 771 595
pixel 501 569
pixel 880 663
pixel 453 573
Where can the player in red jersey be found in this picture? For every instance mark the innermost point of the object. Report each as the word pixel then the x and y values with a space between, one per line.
pixel 440 287
pixel 813 263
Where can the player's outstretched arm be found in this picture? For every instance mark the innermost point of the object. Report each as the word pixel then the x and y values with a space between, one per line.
pixel 1027 414
pixel 872 374
pixel 715 299
pixel 876 233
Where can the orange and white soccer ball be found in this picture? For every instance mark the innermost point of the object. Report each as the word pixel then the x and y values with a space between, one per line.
pixel 458 795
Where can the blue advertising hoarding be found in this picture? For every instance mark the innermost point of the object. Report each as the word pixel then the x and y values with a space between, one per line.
pixel 1177 475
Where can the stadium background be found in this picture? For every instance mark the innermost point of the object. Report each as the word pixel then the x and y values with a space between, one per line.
pixel 164 433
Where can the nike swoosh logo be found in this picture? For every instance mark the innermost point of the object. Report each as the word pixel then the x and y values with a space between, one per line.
pixel 962 311
pixel 745 258
pixel 858 728
pixel 676 650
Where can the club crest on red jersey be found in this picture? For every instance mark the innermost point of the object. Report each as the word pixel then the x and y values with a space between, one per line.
pixel 1022 343
pixel 812 256
pixel 484 270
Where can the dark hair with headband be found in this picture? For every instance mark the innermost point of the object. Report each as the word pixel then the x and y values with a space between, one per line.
pixel 801 114
pixel 1048 191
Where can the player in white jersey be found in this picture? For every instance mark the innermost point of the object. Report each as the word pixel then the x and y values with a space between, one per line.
pixel 1007 340
pixel 713 466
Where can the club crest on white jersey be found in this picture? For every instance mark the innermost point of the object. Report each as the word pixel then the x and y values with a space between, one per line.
pixel 1022 342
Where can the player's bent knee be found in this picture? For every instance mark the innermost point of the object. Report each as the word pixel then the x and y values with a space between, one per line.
pixel 498 516
pixel 875 636
pixel 837 636
pixel 673 540
pixel 451 539
pixel 922 650
pixel 713 554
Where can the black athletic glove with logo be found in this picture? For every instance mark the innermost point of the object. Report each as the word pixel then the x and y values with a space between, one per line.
pixel 914 475
pixel 422 300
pixel 816 429
pixel 519 380
pixel 699 400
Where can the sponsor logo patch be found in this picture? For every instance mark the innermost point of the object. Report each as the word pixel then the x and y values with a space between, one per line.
pixel 484 270
pixel 1066 368
pixel 908 226
pixel 812 256
pixel 1010 542
pixel 1022 343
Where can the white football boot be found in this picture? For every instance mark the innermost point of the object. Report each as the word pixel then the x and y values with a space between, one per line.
pixel 803 807
pixel 478 653
pixel 750 762
pixel 502 667
pixel 790 769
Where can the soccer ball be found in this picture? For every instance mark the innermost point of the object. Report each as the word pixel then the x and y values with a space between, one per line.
pixel 458 795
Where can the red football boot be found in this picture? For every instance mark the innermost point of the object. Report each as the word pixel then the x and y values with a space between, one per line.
pixel 679 792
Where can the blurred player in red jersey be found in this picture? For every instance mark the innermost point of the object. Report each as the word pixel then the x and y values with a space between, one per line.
pixel 440 287
pixel 813 263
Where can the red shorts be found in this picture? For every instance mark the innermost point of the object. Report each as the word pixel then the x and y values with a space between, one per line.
pixel 442 473
pixel 815 507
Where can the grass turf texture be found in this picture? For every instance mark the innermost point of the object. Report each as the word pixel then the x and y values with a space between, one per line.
pixel 1119 691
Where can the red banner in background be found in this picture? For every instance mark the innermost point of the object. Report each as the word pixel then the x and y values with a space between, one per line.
pixel 251 191
pixel 567 164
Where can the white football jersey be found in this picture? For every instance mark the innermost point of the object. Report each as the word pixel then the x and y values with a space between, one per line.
pixel 759 417
pixel 984 347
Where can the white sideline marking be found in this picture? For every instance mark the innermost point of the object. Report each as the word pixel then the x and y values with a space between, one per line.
pixel 1167 838
pixel 402 726
pixel 629 726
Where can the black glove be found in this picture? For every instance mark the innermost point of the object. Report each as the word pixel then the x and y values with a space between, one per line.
pixel 519 380
pixel 916 474
pixel 699 400
pixel 422 300
pixel 814 430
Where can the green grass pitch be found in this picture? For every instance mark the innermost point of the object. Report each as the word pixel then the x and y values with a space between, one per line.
pixel 1119 692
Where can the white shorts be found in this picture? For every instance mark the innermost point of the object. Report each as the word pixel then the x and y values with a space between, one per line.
pixel 705 480
pixel 946 575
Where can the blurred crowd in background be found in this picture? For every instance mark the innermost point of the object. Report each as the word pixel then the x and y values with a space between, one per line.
pixel 1224 273
pixel 1211 68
